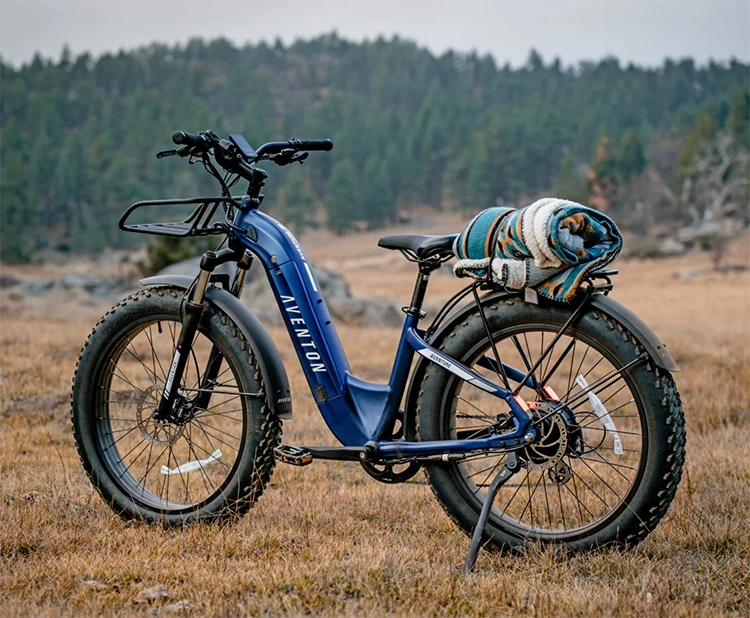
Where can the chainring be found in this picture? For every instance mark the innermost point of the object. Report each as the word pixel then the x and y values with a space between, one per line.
pixel 385 472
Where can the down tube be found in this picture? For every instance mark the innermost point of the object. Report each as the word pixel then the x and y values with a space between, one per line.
pixel 320 352
pixel 308 322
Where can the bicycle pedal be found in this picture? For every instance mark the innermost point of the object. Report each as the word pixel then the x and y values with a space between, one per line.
pixel 293 455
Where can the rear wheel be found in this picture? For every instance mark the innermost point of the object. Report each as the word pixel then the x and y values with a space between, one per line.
pixel 214 458
pixel 603 469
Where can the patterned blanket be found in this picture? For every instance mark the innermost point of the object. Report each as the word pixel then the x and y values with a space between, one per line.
pixel 550 246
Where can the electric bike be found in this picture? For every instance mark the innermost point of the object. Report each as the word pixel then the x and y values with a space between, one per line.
pixel 534 421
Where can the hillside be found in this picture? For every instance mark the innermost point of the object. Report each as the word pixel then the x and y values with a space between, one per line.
pixel 455 131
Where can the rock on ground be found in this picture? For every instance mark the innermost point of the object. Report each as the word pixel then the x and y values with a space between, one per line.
pixel 152 594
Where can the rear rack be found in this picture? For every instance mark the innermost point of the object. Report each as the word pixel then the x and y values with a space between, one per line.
pixel 604 288
pixel 197 224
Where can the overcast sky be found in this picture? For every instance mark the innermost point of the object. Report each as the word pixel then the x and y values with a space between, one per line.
pixel 642 31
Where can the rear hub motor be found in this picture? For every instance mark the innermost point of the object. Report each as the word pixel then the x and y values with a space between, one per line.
pixel 557 435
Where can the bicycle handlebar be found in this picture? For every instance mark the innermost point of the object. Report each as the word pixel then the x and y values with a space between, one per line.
pixel 310 145
pixel 191 140
pixel 203 141
pixel 234 159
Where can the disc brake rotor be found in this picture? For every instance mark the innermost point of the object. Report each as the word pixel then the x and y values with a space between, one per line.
pixel 159 433
pixel 552 442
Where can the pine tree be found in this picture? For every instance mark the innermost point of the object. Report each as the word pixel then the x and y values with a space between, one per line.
pixel 602 183
pixel 703 132
pixel 568 185
pixel 631 160
pixel 480 184
pixel 376 202
pixel 738 123
pixel 297 206
pixel 343 197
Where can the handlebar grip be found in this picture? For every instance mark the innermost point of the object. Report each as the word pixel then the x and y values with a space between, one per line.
pixel 316 144
pixel 189 139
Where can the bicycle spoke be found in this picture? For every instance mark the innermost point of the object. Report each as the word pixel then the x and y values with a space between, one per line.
pixel 149 372
pixel 495 467
pixel 222 414
pixel 524 359
pixel 614 466
pixel 122 377
pixel 518 487
pixel 154 356
pixel 120 438
pixel 609 463
pixel 572 362
pixel 576 475
pixel 179 473
pixel 204 476
pixel 477 409
pixel 546 500
pixel 136 457
pixel 578 500
pixel 558 362
pixel 531 497
pixel 217 429
pixel 562 507
pixel 208 439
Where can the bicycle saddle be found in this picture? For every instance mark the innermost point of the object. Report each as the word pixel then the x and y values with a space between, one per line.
pixel 422 246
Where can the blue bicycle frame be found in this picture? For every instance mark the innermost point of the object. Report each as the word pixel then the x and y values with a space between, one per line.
pixel 359 412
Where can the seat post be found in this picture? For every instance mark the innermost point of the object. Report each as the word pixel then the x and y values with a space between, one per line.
pixel 420 288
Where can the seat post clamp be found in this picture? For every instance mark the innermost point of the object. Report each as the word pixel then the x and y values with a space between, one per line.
pixel 414 312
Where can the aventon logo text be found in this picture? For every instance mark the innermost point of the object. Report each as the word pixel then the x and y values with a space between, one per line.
pixel 303 334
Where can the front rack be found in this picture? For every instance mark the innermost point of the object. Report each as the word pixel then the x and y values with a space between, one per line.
pixel 197 224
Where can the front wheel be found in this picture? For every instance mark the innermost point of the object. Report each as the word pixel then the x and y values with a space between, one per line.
pixel 214 457
pixel 611 433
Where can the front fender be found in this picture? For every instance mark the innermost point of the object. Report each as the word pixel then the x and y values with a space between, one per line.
pixel 640 330
pixel 271 366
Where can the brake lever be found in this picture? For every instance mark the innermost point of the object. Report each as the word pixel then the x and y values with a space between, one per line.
pixel 166 153
pixel 288 155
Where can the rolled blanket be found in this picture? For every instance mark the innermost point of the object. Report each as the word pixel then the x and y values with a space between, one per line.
pixel 550 246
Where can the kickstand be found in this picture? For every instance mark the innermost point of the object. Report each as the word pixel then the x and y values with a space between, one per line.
pixel 511 465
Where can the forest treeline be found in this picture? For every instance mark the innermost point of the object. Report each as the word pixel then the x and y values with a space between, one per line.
pixel 79 134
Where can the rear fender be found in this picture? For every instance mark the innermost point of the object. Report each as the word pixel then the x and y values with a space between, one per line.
pixel 269 360
pixel 640 330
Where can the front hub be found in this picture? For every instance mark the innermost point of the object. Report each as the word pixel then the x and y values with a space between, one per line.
pixel 157 432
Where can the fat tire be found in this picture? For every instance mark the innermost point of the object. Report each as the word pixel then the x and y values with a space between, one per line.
pixel 257 461
pixel 665 424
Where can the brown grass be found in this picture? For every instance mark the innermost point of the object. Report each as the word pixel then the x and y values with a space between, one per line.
pixel 327 540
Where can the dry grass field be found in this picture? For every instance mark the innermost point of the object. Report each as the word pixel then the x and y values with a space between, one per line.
pixel 326 540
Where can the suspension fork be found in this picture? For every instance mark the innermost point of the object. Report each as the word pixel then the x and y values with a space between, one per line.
pixel 193 309
pixel 215 357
